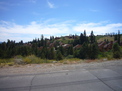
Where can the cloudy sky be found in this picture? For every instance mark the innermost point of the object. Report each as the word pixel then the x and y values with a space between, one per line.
pixel 28 19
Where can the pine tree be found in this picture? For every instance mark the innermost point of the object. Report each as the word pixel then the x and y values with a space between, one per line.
pixel 58 55
pixel 93 51
pixel 116 51
pixel 42 40
pixel 92 38
pixel 83 53
pixel 71 50
pixel 52 54
pixel 61 50
pixel 85 37
pixel 84 33
pixel 81 39
pixel 118 39
pixel 76 40
pixel 115 37
pixel 76 53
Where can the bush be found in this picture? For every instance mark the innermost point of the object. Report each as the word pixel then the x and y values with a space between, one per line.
pixel 108 55
pixel 116 55
pixel 3 60
pixel 18 61
pixel 33 59
pixel 58 55
pixel 2 65
pixel 116 51
pixel 10 64
pixel 18 57
pixel 27 60
pixel 69 57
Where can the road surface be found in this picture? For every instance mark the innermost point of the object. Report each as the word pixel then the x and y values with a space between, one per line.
pixel 88 79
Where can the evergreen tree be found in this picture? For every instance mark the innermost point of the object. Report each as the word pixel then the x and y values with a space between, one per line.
pixel 34 49
pixel 61 50
pixel 42 40
pixel 43 53
pixel 76 53
pixel 118 39
pixel 85 37
pixel 59 55
pixel 92 37
pixel 84 33
pixel 71 50
pixel 81 39
pixel 83 53
pixel 51 54
pixel 76 40
pixel 93 51
pixel 116 51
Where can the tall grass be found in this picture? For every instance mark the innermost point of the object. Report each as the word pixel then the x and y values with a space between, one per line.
pixel 33 59
pixel 108 55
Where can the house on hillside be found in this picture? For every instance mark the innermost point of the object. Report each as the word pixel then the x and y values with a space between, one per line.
pixel 104 46
pixel 108 46
pixel 77 46
pixel 66 45
pixel 101 45
pixel 57 38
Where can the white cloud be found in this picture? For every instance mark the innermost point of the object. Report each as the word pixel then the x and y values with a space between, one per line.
pixel 51 5
pixel 34 28
pixel 98 28
pixel 13 31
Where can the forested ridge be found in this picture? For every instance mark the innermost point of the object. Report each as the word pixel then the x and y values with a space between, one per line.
pixel 72 46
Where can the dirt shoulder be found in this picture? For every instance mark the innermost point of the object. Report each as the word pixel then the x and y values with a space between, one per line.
pixel 53 67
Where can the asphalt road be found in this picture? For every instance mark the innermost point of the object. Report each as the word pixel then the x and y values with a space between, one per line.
pixel 95 79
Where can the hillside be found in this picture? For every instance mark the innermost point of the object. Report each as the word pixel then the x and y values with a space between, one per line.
pixel 64 47
pixel 99 38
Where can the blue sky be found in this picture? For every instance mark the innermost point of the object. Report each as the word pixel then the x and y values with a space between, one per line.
pixel 28 19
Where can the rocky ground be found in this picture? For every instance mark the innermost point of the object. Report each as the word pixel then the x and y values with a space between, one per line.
pixel 55 67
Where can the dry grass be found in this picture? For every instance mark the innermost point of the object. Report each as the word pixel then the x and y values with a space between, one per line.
pixel 107 38
pixel 71 61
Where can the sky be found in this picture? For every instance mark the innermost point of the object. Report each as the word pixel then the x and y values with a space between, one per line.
pixel 29 19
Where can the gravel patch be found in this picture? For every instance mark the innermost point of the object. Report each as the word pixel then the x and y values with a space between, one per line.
pixel 53 67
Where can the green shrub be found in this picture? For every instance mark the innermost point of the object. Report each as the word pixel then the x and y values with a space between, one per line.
pixel 6 60
pixel 18 57
pixel 69 57
pixel 116 51
pixel 108 55
pixel 10 64
pixel 33 59
pixel 2 60
pixel 2 65
pixel 27 60
pixel 18 61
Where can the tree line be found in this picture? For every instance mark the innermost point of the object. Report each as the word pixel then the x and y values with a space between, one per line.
pixel 42 48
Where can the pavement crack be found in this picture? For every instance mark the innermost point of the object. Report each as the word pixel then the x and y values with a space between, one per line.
pixel 104 82
pixel 32 86
pixel 31 82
